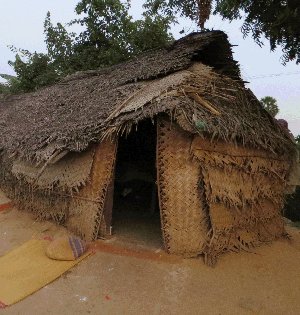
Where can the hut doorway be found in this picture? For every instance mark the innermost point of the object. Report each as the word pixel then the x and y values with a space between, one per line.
pixel 135 215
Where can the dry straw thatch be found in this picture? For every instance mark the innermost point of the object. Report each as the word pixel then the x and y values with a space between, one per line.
pixel 210 127
pixel 72 114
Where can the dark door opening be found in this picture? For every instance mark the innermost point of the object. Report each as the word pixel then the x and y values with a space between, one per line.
pixel 135 215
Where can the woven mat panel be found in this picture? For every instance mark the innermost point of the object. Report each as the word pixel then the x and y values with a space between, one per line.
pixel 152 90
pixel 230 156
pixel 162 95
pixel 69 173
pixel 86 207
pixel 48 151
pixel 236 188
pixel 235 230
pixel 185 222
pixel 44 206
pixel 244 194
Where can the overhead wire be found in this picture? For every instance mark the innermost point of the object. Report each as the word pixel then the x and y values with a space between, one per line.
pixel 273 75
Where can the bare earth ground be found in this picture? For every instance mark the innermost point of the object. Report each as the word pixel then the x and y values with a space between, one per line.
pixel 120 281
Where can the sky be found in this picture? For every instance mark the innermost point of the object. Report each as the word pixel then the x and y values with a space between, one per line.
pixel 21 25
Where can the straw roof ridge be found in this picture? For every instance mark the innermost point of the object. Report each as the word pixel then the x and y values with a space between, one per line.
pixel 86 106
pixel 176 56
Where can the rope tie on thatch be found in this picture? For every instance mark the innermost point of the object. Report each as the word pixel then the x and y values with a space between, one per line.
pixel 192 92
pixel 196 97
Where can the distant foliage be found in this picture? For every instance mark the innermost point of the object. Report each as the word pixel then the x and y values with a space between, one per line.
pixel 33 70
pixel 109 35
pixel 297 140
pixel 270 105
pixel 6 87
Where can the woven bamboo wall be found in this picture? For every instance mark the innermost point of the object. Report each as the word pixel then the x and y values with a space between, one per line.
pixel 214 197
pixel 79 207
pixel 244 191
pixel 44 204
pixel 185 222
pixel 86 208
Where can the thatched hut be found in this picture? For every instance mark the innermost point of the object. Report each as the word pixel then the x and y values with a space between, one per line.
pixel 218 158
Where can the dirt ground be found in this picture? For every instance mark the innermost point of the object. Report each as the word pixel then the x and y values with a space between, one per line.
pixel 136 280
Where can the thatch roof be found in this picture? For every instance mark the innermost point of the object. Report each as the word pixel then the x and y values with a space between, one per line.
pixel 83 108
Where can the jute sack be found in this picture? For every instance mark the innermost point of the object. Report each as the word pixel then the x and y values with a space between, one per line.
pixel 66 248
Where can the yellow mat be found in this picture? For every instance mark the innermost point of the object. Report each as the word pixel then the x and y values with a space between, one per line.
pixel 27 269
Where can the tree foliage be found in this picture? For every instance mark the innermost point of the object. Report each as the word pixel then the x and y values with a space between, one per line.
pixel 270 105
pixel 33 70
pixel 277 20
pixel 108 35
pixel 196 10
pixel 297 140
pixel 9 84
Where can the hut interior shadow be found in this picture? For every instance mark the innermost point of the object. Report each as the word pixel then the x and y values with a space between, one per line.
pixel 135 214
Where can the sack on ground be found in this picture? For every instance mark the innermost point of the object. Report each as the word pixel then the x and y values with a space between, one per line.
pixel 66 248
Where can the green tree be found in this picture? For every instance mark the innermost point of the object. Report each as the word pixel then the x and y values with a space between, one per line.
pixel 33 70
pixel 109 35
pixel 10 86
pixel 297 140
pixel 59 44
pixel 277 20
pixel 270 105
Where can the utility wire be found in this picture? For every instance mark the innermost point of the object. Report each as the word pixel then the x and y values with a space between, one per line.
pixel 273 75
